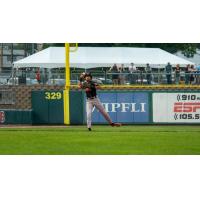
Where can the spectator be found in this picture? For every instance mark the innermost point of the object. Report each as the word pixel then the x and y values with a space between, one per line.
pixel 148 74
pixel 198 75
pixel 187 74
pixel 192 71
pixel 38 77
pixel 115 76
pixel 168 70
pixel 122 76
pixel 177 74
pixel 132 76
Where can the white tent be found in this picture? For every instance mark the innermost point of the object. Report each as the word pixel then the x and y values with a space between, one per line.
pixel 92 57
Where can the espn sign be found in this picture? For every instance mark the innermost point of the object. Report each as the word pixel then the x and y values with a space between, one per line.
pixel 186 107
pixel 2 117
pixel 176 107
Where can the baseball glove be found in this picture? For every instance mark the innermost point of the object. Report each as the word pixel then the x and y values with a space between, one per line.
pixel 82 77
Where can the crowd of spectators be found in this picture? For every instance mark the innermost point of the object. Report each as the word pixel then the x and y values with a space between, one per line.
pixel 119 74
pixel 172 75
pixel 190 74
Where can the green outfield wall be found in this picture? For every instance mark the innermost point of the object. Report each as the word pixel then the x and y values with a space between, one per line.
pixel 15 116
pixel 125 106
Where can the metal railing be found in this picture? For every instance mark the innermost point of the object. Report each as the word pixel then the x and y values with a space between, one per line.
pixel 31 77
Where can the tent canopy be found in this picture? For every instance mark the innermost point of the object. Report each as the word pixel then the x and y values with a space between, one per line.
pixel 93 57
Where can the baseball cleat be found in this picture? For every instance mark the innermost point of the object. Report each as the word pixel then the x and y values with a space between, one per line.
pixel 89 129
pixel 116 124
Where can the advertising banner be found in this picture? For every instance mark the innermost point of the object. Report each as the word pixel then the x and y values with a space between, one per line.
pixel 2 117
pixel 127 107
pixel 176 107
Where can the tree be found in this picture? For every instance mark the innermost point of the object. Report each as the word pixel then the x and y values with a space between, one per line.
pixel 188 49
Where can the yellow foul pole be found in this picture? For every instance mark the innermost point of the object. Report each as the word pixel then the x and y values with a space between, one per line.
pixel 67 85
pixel 67 82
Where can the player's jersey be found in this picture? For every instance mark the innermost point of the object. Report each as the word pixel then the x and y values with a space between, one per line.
pixel 90 87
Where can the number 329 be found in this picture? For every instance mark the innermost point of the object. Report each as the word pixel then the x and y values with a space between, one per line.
pixel 53 95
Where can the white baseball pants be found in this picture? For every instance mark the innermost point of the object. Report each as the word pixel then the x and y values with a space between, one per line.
pixel 89 107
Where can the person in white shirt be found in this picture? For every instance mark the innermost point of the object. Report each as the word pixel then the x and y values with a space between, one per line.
pixel 132 76
pixel 132 68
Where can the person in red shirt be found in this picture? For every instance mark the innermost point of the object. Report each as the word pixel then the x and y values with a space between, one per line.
pixel 38 77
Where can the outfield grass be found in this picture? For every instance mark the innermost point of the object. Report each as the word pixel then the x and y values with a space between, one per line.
pixel 139 140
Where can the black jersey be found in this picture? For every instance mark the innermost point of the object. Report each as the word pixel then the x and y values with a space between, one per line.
pixel 91 85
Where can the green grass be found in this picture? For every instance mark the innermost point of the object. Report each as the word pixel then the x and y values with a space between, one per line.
pixel 125 140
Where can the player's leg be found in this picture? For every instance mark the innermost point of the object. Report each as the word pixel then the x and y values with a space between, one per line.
pixel 101 109
pixel 89 107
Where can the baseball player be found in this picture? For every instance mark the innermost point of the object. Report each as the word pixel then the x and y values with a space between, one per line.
pixel 90 87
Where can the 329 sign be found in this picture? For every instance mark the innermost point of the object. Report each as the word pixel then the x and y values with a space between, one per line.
pixel 53 95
